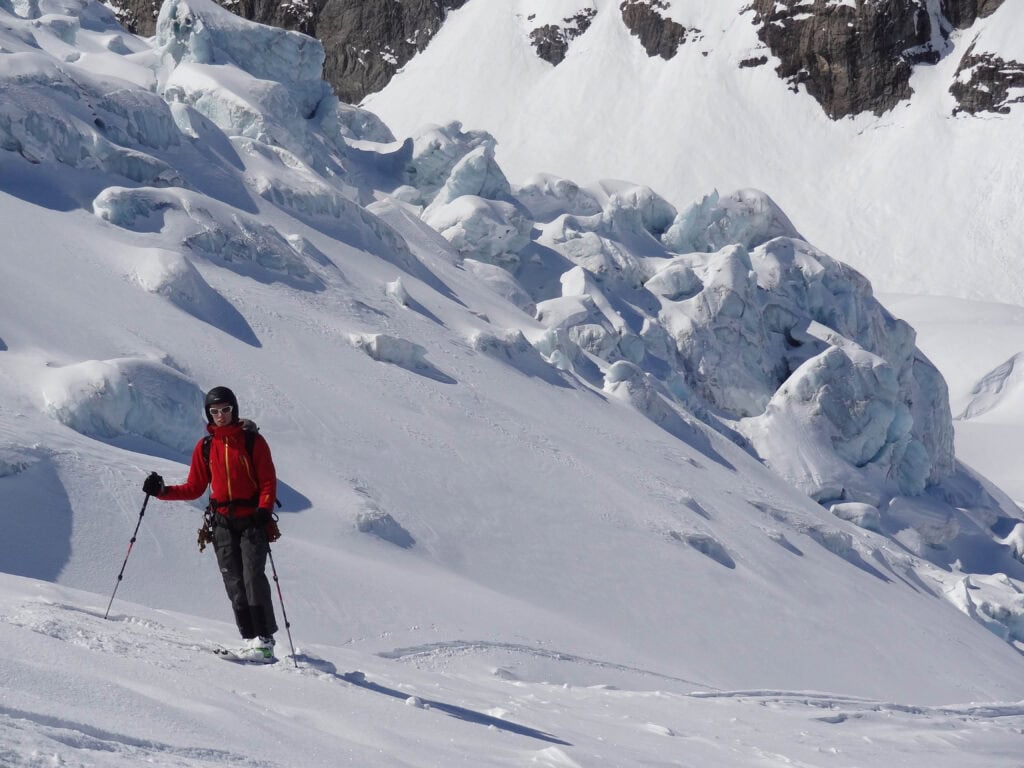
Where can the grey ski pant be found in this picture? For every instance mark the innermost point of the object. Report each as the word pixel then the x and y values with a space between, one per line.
pixel 242 556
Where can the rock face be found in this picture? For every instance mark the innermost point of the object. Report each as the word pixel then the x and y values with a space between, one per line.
pixel 139 16
pixel 367 42
pixel 552 40
pixel 984 82
pixel 852 56
pixel 859 58
pixel 963 13
pixel 658 35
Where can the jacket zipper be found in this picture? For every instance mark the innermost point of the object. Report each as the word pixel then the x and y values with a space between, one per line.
pixel 227 471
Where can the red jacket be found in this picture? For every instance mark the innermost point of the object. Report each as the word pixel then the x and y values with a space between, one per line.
pixel 231 476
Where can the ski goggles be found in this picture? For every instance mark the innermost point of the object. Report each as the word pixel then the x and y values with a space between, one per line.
pixel 224 409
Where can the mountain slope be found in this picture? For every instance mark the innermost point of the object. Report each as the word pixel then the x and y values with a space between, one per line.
pixel 914 185
pixel 459 474
pixel 542 516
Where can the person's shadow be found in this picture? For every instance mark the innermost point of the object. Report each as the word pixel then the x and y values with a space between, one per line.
pixel 472 716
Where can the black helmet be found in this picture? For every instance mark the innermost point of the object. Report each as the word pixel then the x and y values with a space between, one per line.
pixel 224 396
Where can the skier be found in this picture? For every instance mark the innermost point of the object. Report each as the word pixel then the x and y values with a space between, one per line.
pixel 240 473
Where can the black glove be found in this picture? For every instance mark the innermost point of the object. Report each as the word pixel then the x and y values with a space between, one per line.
pixel 154 485
pixel 265 519
pixel 261 517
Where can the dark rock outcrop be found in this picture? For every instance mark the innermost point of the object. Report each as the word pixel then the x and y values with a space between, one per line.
pixel 983 83
pixel 963 13
pixel 859 59
pixel 851 58
pixel 658 35
pixel 139 16
pixel 552 40
pixel 367 42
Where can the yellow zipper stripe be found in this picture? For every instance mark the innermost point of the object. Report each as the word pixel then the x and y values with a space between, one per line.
pixel 227 471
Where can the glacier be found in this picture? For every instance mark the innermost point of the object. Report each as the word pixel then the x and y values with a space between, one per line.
pixel 715 320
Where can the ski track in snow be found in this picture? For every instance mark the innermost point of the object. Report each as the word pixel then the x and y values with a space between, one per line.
pixel 433 651
pixel 813 699
pixel 120 634
pixel 18 729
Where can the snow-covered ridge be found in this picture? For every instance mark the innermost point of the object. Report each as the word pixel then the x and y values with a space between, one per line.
pixel 235 205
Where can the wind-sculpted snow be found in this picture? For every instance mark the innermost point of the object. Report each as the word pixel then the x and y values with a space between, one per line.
pixel 999 384
pixel 173 276
pixel 724 313
pixel 201 32
pixel 260 83
pixel 629 383
pixel 983 599
pixel 546 196
pixel 501 282
pixel 860 514
pixel 510 346
pixel 406 354
pixel 448 162
pixel 248 106
pixel 706 545
pixel 127 397
pixel 487 230
pixel 747 217
pixel 54 112
pixel 735 315
pixel 55 109
pixel 324 207
pixel 208 228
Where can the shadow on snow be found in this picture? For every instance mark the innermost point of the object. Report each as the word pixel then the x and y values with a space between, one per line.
pixel 359 680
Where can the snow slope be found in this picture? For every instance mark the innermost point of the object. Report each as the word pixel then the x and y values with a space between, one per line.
pixel 916 186
pixel 506 514
pixel 140 689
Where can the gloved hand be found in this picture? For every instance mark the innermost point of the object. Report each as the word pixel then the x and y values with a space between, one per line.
pixel 265 519
pixel 273 532
pixel 261 517
pixel 154 485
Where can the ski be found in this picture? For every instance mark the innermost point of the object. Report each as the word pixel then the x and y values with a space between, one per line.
pixel 228 655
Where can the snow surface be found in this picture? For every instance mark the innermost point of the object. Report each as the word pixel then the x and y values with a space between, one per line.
pixel 532 488
pixel 140 688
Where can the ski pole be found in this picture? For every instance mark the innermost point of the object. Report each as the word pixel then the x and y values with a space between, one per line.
pixel 284 613
pixel 130 545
